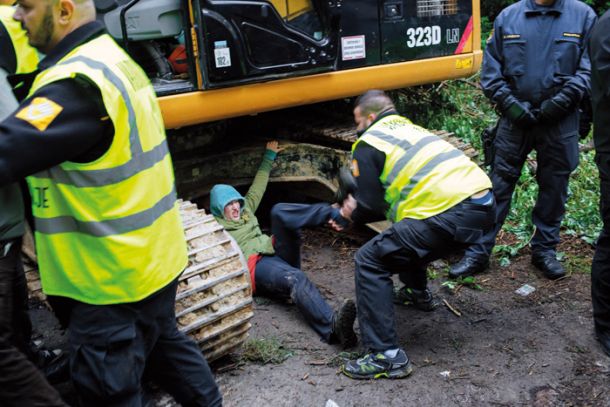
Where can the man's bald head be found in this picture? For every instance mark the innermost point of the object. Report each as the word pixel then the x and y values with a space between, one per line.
pixel 47 22
pixel 374 101
pixel 369 106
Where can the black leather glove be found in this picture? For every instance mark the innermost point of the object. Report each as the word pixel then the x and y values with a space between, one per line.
pixel 551 111
pixel 585 117
pixel 347 185
pixel 556 108
pixel 584 126
pixel 520 114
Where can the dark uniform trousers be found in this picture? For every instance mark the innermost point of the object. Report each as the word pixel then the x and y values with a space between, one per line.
pixel 406 248
pixel 280 276
pixel 21 383
pixel 600 270
pixel 112 347
pixel 556 147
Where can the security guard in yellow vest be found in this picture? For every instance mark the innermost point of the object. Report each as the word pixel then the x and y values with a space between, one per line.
pixel 437 199
pixel 89 136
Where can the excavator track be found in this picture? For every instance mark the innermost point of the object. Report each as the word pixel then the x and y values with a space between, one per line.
pixel 214 297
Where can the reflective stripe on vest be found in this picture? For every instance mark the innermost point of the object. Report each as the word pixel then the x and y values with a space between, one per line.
pixel 109 231
pixel 68 224
pixel 25 55
pixel 423 175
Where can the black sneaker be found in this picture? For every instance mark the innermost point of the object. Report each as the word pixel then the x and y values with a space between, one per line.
pixel 378 365
pixel 422 300
pixel 343 325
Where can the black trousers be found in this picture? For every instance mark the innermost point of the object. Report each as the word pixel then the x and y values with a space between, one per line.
pixel 21 383
pixel 556 146
pixel 406 248
pixel 113 346
pixel 600 270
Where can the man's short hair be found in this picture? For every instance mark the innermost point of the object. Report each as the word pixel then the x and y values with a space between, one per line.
pixel 373 101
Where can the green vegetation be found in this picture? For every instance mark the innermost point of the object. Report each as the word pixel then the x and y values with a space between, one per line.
pixel 265 350
pixel 460 107
pixel 577 264
pixel 454 285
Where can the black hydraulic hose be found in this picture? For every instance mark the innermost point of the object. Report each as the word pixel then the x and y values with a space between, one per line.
pixel 124 10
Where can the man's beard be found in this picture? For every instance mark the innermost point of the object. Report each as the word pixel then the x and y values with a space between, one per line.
pixel 45 33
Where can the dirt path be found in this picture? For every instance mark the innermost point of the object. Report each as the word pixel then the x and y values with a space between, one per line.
pixel 504 349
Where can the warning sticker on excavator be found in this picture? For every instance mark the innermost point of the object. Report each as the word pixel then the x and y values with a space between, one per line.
pixel 465 63
pixel 222 54
pixel 353 47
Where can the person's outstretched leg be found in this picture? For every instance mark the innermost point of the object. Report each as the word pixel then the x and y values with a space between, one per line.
pixel 287 220
pixel 277 279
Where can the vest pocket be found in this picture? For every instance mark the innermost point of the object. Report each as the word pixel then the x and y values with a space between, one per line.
pixel 567 54
pixel 514 57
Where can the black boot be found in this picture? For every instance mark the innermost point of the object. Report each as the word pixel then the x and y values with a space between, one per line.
pixel 603 336
pixel 469 266
pixel 548 264
pixel 343 325
pixel 54 364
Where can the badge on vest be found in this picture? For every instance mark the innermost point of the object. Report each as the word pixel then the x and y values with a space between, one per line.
pixel 40 113
pixel 511 36
pixel 572 35
pixel 355 169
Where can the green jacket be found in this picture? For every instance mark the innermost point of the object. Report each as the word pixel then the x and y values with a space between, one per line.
pixel 246 230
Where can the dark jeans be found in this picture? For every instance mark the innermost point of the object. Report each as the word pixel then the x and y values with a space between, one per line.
pixel 557 156
pixel 407 247
pixel 600 270
pixel 280 276
pixel 21 383
pixel 111 346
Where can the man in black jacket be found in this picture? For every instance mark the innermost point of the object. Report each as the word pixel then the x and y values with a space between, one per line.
pixel 600 92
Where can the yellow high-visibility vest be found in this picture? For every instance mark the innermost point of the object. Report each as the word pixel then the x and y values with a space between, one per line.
pixel 26 56
pixel 109 231
pixel 423 175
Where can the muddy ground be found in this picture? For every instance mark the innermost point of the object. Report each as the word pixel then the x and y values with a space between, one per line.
pixel 502 350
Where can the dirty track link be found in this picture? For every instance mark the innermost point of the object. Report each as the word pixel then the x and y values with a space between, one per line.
pixel 214 299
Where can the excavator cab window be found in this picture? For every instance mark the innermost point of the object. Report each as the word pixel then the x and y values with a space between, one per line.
pixel 301 15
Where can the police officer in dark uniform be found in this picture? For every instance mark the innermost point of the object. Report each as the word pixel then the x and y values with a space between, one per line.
pixel 536 71
pixel 600 94
pixel 89 137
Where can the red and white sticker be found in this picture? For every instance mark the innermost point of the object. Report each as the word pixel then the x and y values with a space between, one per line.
pixel 353 47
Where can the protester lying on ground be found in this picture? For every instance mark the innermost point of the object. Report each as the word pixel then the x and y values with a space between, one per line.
pixel 275 262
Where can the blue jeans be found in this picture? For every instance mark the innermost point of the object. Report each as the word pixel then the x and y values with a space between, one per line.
pixel 280 276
